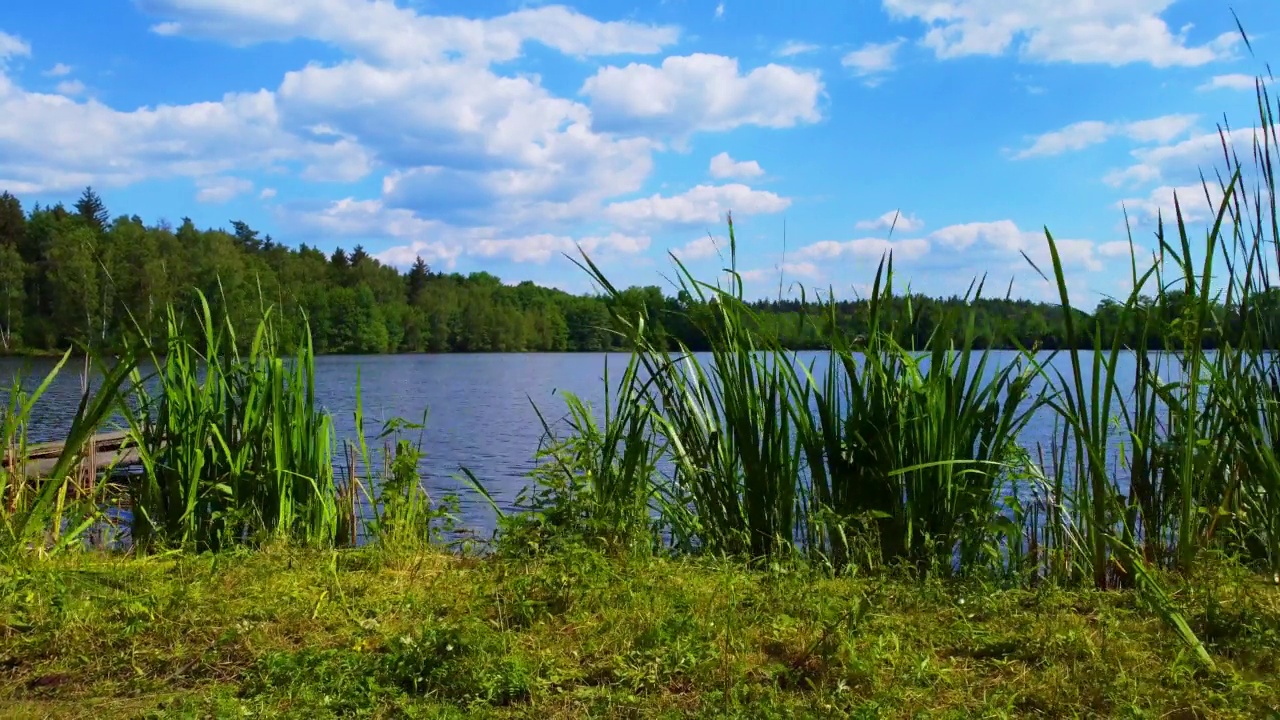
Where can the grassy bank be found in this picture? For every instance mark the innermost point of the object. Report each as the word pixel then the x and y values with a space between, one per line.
pixel 312 634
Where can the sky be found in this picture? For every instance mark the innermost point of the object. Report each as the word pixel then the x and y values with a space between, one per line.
pixel 504 136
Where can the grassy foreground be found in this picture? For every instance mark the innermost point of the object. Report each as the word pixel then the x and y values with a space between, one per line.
pixel 293 633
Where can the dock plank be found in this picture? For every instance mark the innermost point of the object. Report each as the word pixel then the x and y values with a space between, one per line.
pixel 109 449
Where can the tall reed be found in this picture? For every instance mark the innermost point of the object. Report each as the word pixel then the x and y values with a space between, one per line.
pixel 919 442
pixel 234 449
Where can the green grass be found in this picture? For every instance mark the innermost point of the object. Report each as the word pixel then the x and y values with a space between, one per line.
pixel 306 633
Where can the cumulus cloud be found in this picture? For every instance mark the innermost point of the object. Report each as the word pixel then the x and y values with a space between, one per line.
pixel 1009 240
pixel 873 60
pixel 267 193
pixel 1196 202
pixel 221 189
pixel 391 33
pixel 700 248
pixel 724 166
pixel 55 143
pixel 58 70
pixel 1233 81
pixel 442 244
pixel 870 247
pixel 1080 135
pixel 701 205
pixel 1181 163
pixel 1112 33
pixel 700 92
pixel 895 220
pixel 1117 249
pixel 462 142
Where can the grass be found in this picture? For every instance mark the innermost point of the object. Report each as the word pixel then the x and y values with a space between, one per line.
pixel 305 633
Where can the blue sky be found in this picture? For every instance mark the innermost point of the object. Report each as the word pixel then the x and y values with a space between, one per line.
pixel 500 139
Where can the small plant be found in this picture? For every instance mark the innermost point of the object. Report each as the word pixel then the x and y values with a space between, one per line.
pixel 467 664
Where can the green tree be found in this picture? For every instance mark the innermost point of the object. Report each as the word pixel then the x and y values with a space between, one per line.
pixel 12 293
pixel 73 280
pixel 92 210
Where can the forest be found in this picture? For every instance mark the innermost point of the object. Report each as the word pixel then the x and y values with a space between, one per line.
pixel 76 277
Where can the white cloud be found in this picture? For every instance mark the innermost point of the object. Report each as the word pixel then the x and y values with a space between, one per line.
pixel 1194 201
pixel 1160 130
pixel 442 244
pixel 542 247
pixel 872 247
pixel 267 193
pixel 701 92
pixel 1080 135
pixel 58 70
pixel 1112 33
pixel 806 270
pixel 720 9
pixel 724 166
pixel 1118 249
pixel 872 60
pixel 894 219
pixel 12 46
pixel 701 248
pixel 1234 81
pixel 390 33
pixel 704 204
pixel 221 189
pixel 791 48
pixel 1005 237
pixel 1181 163
pixel 465 144
pixel 70 87
pixel 51 143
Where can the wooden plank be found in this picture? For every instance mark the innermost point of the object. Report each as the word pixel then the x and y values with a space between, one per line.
pixel 105 442
pixel 108 450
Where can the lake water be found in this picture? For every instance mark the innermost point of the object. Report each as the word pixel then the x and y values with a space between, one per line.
pixel 480 407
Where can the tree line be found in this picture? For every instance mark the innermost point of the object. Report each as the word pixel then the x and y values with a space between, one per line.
pixel 79 277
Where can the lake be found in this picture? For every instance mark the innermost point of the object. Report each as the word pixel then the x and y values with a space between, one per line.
pixel 480 407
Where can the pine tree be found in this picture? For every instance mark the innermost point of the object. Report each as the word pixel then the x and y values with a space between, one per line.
pixel 339 260
pixel 246 236
pixel 93 210
pixel 417 279
pixel 13 224
pixel 358 256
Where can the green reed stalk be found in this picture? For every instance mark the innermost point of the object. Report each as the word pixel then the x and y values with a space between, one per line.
pixel 603 473
pixel 727 424
pixel 233 449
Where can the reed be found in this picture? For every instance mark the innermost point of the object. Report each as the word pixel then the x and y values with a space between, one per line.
pixel 919 442
pixel 234 448
pixel 726 424
pixel 597 482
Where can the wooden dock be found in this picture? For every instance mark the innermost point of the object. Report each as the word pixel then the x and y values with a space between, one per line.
pixel 104 451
